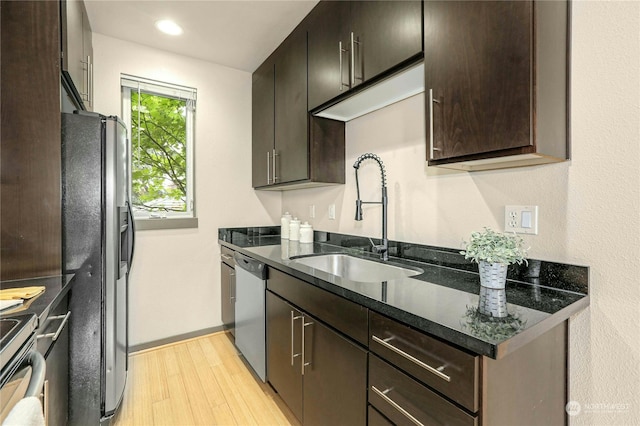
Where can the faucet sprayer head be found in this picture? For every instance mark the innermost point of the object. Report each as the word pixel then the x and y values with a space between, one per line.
pixel 371 156
pixel 358 210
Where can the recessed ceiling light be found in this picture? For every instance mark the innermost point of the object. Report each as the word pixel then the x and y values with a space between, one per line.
pixel 167 26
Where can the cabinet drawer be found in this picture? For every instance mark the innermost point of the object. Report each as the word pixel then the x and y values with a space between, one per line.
pixel 407 402
pixel 341 314
pixel 376 419
pixel 52 327
pixel 226 256
pixel 445 368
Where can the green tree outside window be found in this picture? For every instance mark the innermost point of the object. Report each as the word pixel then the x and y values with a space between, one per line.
pixel 159 153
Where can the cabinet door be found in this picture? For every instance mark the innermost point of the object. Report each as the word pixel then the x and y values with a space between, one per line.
pixel 77 52
pixel 335 377
pixel 227 287
pixel 291 123
pixel 387 33
pixel 283 352
pixel 478 70
pixel 87 61
pixel 56 385
pixel 72 41
pixel 262 124
pixel 30 206
pixel 56 354
pixel 327 28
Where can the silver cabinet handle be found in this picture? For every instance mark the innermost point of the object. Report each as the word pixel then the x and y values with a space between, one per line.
pixel 229 286
pixel 304 363
pixel 85 95
pixel 268 167
pixel 45 397
pixel 341 51
pixel 353 42
pixel 226 256
pixel 293 318
pixel 54 336
pixel 382 394
pixel 90 81
pixel 437 371
pixel 431 102
pixel 275 176
pixel 352 73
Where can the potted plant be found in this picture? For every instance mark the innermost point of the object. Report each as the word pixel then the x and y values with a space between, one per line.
pixel 494 252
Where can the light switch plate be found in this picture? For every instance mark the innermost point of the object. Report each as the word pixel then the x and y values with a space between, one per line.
pixel 332 212
pixel 521 219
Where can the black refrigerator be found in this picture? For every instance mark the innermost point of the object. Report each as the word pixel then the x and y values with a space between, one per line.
pixel 98 245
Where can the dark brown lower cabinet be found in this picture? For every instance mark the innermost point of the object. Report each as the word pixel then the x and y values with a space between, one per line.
pixel 283 338
pixel 228 293
pixel 377 419
pixel 321 375
pixel 56 354
pixel 405 401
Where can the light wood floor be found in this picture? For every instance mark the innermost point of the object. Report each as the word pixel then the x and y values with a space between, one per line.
pixel 200 381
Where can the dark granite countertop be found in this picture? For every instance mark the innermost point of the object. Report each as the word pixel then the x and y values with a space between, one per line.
pixel 56 287
pixel 441 301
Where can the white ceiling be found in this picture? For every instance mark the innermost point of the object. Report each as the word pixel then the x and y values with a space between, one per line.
pixel 237 33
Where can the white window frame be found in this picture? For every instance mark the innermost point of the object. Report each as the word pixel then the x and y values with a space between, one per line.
pixel 149 220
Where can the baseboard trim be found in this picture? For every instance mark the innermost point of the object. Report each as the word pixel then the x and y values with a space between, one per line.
pixel 174 339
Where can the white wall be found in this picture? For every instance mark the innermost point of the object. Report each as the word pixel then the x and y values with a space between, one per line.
pixel 175 282
pixel 589 207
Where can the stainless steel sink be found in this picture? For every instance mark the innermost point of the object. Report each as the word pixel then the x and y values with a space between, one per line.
pixel 356 269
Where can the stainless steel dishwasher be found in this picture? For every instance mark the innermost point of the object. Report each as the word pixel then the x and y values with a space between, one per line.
pixel 251 278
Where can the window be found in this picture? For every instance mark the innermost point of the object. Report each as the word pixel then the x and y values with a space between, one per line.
pixel 160 120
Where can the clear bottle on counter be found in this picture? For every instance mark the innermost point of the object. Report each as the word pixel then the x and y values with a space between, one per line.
pixel 294 229
pixel 306 233
pixel 284 225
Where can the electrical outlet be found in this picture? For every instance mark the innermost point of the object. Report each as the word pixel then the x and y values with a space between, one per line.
pixel 312 211
pixel 332 212
pixel 521 219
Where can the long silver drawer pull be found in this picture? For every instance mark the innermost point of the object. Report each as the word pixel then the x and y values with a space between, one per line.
pixel 293 318
pixel 431 124
pixel 226 256
pixel 268 167
pixel 341 51
pixel 54 336
pixel 413 359
pixel 275 174
pixel 382 394
pixel 304 363
pixel 352 73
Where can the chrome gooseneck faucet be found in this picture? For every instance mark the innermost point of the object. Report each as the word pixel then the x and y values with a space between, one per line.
pixel 383 248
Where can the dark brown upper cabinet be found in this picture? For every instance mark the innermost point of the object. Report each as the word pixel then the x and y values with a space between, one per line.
pixel 496 83
pixel 354 42
pixel 77 53
pixel 30 142
pixel 290 149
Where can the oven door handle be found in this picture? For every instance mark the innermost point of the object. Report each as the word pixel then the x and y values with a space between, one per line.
pixel 38 367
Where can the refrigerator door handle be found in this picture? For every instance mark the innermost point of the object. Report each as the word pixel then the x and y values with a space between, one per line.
pixel 132 236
